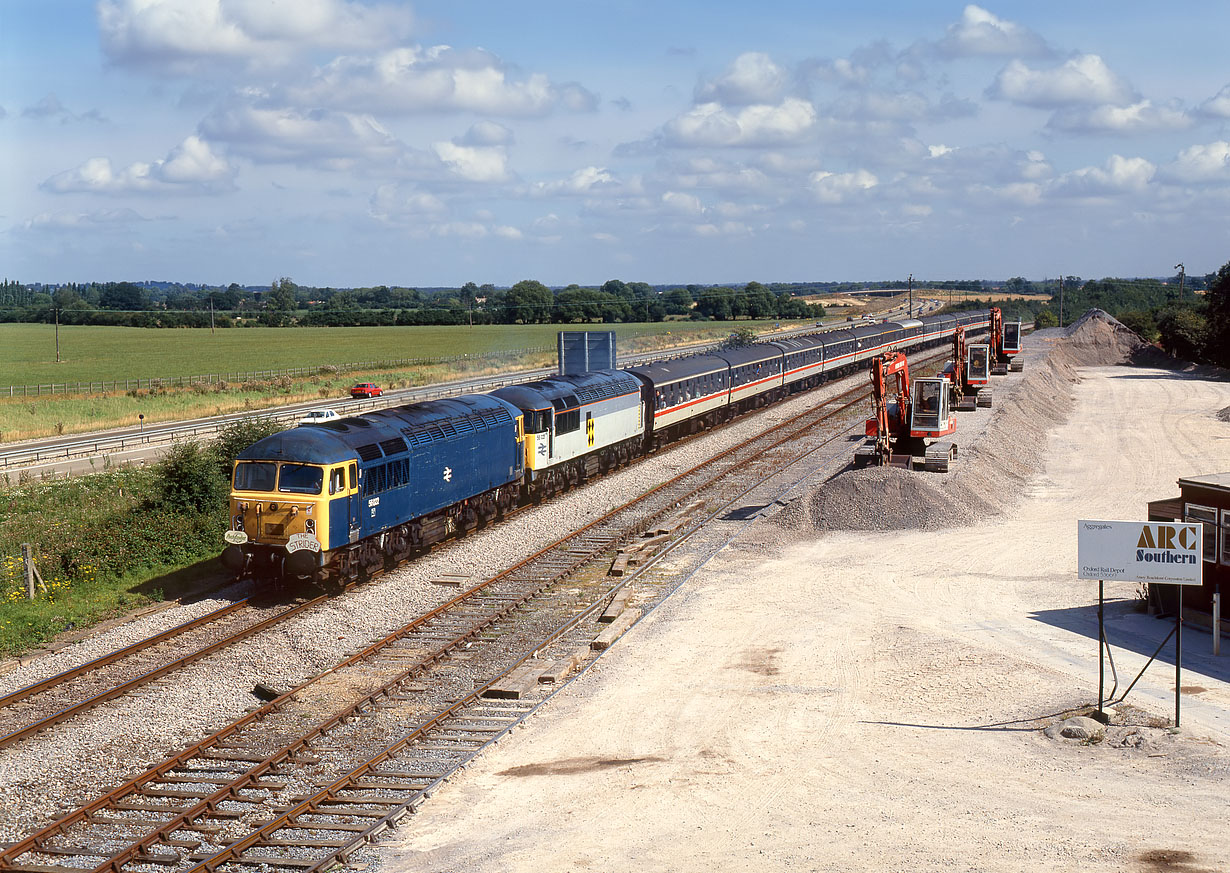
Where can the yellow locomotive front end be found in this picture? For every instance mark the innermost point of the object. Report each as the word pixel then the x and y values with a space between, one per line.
pixel 279 519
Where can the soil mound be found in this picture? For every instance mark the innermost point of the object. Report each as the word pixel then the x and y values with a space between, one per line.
pixel 987 475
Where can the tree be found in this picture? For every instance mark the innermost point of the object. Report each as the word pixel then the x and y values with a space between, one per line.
pixel 1183 332
pixel 1141 321
pixel 716 303
pixel 282 295
pixel 121 295
pixel 529 301
pixel 677 301
pixel 1045 319
pixel 1217 340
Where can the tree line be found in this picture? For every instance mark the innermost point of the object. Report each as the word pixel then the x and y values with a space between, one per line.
pixel 286 303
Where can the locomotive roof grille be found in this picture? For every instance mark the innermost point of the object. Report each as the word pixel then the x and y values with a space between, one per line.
pixel 393 446
pixel 369 452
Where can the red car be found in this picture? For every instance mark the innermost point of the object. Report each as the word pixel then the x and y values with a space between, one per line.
pixel 366 389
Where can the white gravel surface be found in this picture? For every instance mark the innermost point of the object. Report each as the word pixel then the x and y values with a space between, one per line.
pixel 875 701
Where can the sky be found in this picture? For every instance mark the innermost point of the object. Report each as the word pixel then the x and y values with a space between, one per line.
pixel 350 143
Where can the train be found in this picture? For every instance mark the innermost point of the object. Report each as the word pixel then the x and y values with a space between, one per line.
pixel 341 500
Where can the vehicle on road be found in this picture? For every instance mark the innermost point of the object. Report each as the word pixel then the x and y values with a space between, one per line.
pixel 365 389
pixel 319 416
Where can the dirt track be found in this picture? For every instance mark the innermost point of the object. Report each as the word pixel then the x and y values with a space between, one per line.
pixel 873 700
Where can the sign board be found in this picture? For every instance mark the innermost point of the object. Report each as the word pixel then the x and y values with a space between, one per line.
pixel 1167 553
pixel 583 351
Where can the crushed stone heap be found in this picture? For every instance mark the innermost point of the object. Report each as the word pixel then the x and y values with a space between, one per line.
pixel 1012 449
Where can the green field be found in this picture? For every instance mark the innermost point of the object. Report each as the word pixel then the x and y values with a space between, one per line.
pixel 27 351
pixel 110 353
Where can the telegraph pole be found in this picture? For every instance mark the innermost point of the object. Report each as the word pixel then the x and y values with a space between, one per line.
pixel 1061 298
pixel 909 313
pixel 57 311
pixel 211 314
pixel 1182 276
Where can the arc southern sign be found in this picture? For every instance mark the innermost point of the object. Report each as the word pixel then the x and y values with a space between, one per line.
pixel 1167 553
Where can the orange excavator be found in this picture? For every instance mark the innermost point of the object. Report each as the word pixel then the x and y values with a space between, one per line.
pixel 910 417
pixel 968 373
pixel 1005 344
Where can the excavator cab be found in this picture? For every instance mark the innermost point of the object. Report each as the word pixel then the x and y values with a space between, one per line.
pixel 978 364
pixel 930 415
pixel 1012 337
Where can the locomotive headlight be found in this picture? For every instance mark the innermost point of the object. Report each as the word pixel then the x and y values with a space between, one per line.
pixel 238 523
pixel 310 526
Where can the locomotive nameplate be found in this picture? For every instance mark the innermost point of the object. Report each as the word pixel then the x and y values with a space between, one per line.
pixel 300 541
pixel 235 537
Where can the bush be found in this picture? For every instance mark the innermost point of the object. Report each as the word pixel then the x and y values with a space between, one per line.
pixel 1046 319
pixel 190 480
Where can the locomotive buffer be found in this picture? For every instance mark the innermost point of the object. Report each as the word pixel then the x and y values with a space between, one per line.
pixel 910 418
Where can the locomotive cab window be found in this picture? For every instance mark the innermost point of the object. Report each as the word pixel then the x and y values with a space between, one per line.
pixel 337 480
pixel 300 479
pixel 538 421
pixel 255 475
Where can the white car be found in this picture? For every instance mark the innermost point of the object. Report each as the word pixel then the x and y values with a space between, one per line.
pixel 319 416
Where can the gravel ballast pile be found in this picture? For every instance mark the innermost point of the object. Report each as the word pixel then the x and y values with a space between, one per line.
pixel 988 475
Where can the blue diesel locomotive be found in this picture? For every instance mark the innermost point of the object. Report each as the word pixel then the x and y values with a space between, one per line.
pixel 342 499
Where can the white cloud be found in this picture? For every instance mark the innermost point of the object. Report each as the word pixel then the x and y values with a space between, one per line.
pixel 583 181
pixel 393 203
pixel 473 163
pixel 192 167
pixel 79 221
pixel 436 79
pixel 684 204
pixel 726 228
pixel 331 140
pixel 838 187
pixel 752 78
pixel 1118 175
pixel 487 133
pixel 710 124
pixel 1201 163
pixel 1217 106
pixel 1139 117
pixel 981 33
pixel 1081 80
pixel 181 36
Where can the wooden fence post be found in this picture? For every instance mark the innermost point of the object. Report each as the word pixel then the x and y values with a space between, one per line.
pixel 27 559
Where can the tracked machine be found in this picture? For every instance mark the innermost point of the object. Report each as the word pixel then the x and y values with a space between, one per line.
pixel 968 373
pixel 910 418
pixel 1005 344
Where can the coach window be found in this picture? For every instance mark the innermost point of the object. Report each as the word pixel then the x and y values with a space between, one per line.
pixel 1225 537
pixel 1207 516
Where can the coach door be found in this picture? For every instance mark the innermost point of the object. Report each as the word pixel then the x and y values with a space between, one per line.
pixel 356 502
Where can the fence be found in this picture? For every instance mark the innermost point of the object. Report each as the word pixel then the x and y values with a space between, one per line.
pixel 83 387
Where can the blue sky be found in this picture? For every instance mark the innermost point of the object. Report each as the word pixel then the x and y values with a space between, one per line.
pixel 347 142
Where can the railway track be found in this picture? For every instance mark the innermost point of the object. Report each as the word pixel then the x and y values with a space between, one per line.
pixel 266 791
pixel 36 707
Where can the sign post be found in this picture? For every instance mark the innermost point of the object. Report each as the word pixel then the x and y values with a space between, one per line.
pixel 1156 553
